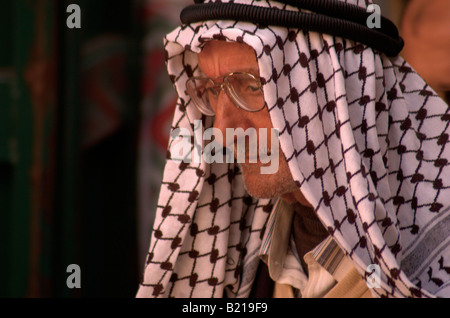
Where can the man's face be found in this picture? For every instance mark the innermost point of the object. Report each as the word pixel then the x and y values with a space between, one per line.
pixel 218 59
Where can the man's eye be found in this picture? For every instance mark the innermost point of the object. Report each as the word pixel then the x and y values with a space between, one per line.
pixel 253 88
pixel 250 88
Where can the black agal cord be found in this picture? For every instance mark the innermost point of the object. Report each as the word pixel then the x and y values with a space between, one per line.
pixel 330 17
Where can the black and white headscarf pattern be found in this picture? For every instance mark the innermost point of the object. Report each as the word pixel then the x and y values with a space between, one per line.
pixel 365 139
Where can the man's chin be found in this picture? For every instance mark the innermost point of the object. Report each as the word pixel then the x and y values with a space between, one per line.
pixel 258 193
pixel 258 185
pixel 266 186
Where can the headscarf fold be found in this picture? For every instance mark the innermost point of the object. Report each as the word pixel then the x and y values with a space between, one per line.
pixel 365 139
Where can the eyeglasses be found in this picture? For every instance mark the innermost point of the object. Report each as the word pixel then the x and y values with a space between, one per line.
pixel 244 89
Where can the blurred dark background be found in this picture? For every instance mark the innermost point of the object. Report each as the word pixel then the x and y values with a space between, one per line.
pixel 84 119
pixel 84 122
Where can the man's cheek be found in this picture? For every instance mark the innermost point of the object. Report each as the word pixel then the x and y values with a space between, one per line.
pixel 272 156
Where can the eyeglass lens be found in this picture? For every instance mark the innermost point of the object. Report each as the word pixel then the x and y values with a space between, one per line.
pixel 243 88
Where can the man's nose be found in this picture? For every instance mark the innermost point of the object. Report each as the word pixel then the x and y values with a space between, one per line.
pixel 226 115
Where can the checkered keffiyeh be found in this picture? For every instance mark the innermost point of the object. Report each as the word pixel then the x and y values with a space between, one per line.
pixel 365 139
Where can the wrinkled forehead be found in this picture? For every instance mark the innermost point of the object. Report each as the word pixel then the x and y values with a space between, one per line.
pixel 220 58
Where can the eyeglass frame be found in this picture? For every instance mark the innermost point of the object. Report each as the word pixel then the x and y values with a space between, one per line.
pixel 225 86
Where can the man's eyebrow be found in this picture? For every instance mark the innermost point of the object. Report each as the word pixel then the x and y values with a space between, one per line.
pixel 252 70
pixel 244 69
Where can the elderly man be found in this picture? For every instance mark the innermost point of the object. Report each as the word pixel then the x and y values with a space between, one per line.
pixel 359 204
